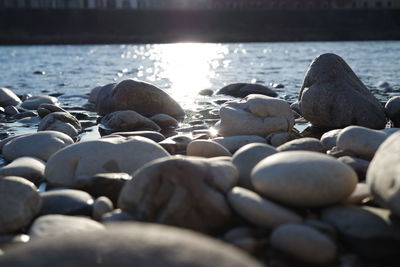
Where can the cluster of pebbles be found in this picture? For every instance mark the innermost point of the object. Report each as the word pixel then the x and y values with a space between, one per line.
pixel 258 192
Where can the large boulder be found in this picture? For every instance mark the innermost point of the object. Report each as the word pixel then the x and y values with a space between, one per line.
pixel 84 160
pixel 8 98
pixel 255 115
pixel 332 96
pixel 244 89
pixel 181 191
pixel 39 145
pixel 303 179
pixel 383 174
pixel 20 203
pixel 141 97
pixel 126 245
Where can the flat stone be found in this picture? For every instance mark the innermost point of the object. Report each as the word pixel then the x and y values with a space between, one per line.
pixel 61 122
pixel 34 102
pixel 247 157
pixel 20 203
pixel 129 245
pixel 233 143
pixel 29 168
pixel 260 211
pixel 45 109
pixel 127 121
pixel 144 98
pixel 39 145
pixel 8 98
pixel 66 202
pixel 383 175
pixel 304 243
pixel 306 144
pixel 206 149
pixel 62 226
pixel 255 115
pixel 84 160
pixel 181 191
pixel 244 89
pixel 332 96
pixel 303 179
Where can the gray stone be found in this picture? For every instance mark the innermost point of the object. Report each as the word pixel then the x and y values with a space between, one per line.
pixel 39 145
pixel 247 157
pixel 141 97
pixel 164 121
pixel 83 160
pixel 19 204
pixel 181 191
pixel 361 194
pixel 139 245
pixel 362 141
pixel 255 115
pixel 279 138
pixel 155 136
pixel 303 179
pixel 328 139
pixel 260 211
pixel 101 206
pixel 233 143
pixel 360 166
pixel 45 109
pixel 242 237
pixel 383 175
pixel 368 231
pixel 61 122
pixel 117 215
pixel 332 96
pixel 11 110
pixel 206 149
pixel 126 121
pixel 8 98
pixel 306 143
pixel 26 167
pixel 392 109
pixel 62 226
pixel 304 243
pixel 176 144
pixel 244 89
pixel 66 202
pixel 34 102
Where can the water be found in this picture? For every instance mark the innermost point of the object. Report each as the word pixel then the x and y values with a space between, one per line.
pixel 183 69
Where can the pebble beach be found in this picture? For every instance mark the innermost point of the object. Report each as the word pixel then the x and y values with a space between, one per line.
pixel 133 178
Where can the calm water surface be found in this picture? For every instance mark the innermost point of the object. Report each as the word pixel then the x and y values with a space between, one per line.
pixel 182 69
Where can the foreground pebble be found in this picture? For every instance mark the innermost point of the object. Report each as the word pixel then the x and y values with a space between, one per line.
pixel 181 191
pixel 129 245
pixel 26 167
pixel 303 179
pixel 206 149
pixel 260 211
pixel 304 243
pixel 20 203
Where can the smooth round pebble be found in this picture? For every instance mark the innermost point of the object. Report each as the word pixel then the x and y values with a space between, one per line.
pixel 26 167
pixel 206 149
pixel 101 206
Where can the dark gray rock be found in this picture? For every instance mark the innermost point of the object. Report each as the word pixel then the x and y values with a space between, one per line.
pixel 392 109
pixel 360 166
pixel 45 109
pixel 127 245
pixel 155 136
pixel 26 167
pixel 306 143
pixel 332 96
pixel 141 97
pixel 66 202
pixel 244 89
pixel 8 98
pixel 61 122
pixel 34 102
pixel 176 144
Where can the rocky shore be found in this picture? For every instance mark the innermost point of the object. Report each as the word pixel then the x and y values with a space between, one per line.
pixel 240 186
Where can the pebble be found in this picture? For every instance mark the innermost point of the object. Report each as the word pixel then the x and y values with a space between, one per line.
pixel 8 98
pixel 20 203
pixel 360 166
pixel 187 192
pixel 361 194
pixel 61 226
pixel 11 110
pixel 101 206
pixel 328 139
pixel 392 108
pixel 332 96
pixel 233 143
pixel 29 168
pixel 61 122
pixel 206 92
pixel 144 98
pixel 129 245
pixel 126 121
pixel 260 211
pixel 66 202
pixel 39 145
pixel 306 143
pixel 279 138
pixel 255 115
pixel 206 149
pixel 247 157
pixel 303 179
pixel 34 102
pixel 117 215
pixel 176 144
pixel 45 109
pixel 383 174
pixel 155 136
pixel 304 243
pixel 83 160
pixel 164 121
pixel 244 89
